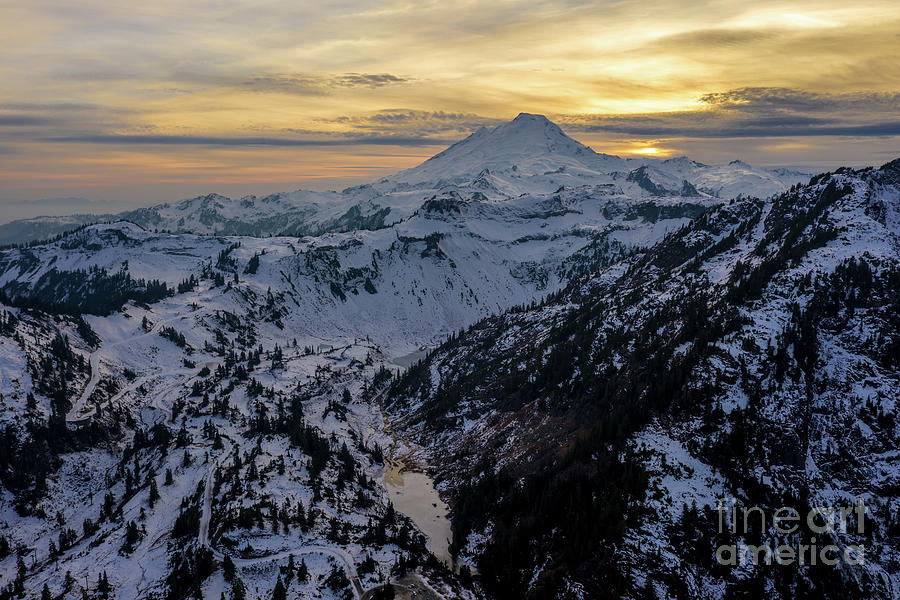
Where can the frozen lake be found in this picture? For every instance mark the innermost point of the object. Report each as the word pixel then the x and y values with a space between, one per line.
pixel 413 494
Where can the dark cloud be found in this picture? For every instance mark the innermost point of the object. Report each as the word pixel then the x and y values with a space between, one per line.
pixel 399 115
pixel 368 80
pixel 761 112
pixel 763 128
pixel 286 84
pixel 786 99
pixel 18 120
pixel 196 74
pixel 699 39
pixel 311 85
pixel 52 107
pixel 418 122
pixel 28 122
pixel 178 140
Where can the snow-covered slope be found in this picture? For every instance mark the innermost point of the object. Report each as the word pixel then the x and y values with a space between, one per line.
pixel 456 259
pixel 751 356
pixel 526 146
pixel 298 213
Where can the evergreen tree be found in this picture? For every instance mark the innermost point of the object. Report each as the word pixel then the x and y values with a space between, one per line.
pixel 104 589
pixel 154 493
pixel 291 568
pixel 280 592
pixel 132 536
pixel 238 590
pixel 385 592
pixel 302 571
pixel 228 568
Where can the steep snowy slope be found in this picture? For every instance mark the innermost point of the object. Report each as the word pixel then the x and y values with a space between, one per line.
pixel 528 145
pixel 456 259
pixel 752 355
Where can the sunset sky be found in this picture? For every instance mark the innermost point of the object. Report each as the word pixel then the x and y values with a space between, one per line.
pixel 130 105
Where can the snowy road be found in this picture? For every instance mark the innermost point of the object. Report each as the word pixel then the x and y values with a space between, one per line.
pixel 337 553
pixel 76 414
pixel 207 505
pixel 88 390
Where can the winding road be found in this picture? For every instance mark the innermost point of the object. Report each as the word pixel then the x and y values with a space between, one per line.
pixel 76 414
pixel 340 555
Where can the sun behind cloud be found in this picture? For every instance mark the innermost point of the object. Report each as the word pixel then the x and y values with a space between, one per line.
pixel 648 151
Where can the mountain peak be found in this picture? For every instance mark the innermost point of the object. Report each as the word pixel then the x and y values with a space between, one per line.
pixel 537 125
pixel 524 117
pixel 527 145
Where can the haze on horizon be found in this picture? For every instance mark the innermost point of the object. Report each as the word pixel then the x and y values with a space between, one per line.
pixel 134 105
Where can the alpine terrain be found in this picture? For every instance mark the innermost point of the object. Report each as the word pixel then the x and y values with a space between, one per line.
pixel 521 369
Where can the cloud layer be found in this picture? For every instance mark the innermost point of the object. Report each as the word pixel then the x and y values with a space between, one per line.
pixel 761 112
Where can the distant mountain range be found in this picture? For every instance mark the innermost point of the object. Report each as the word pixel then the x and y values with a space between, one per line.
pixel 527 155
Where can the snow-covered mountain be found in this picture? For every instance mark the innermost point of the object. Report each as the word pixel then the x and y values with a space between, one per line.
pixel 189 407
pixel 115 334
pixel 751 356
pixel 528 155
pixel 456 259
pixel 529 145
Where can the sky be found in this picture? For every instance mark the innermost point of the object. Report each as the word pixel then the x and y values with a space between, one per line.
pixel 107 105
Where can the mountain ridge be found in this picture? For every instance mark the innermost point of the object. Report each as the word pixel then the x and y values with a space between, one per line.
pixel 742 364
pixel 529 154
